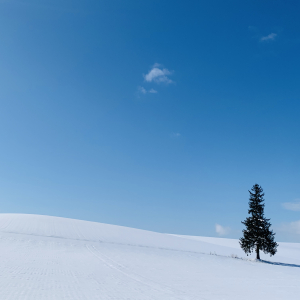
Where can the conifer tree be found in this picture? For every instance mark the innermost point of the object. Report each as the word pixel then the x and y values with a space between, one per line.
pixel 257 235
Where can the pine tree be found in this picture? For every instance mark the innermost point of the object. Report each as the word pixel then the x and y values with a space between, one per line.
pixel 257 234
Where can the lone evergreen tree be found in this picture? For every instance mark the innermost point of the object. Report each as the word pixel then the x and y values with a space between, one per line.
pixel 257 234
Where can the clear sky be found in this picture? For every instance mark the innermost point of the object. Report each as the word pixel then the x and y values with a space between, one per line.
pixel 155 114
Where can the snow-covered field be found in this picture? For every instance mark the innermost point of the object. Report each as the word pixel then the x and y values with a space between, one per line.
pixel 55 258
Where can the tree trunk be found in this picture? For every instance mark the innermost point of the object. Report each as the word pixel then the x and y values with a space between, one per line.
pixel 257 252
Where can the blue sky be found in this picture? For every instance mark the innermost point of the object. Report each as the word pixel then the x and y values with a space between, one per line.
pixel 157 115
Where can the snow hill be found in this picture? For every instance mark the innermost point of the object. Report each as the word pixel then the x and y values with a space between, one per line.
pixel 44 257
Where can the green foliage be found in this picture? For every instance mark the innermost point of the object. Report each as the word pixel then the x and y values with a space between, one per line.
pixel 257 234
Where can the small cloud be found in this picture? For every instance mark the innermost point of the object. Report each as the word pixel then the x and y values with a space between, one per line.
pixel 175 135
pixel 295 206
pixel 289 231
pixel 270 37
pixel 291 228
pixel 158 74
pixel 220 230
pixel 141 90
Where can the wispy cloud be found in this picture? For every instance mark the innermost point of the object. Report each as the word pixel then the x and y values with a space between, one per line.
pixel 257 35
pixel 269 37
pixel 291 228
pixel 141 90
pixel 221 230
pixel 176 135
pixel 158 75
pixel 295 206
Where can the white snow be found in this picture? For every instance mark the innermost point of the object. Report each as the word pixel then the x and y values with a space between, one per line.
pixel 44 257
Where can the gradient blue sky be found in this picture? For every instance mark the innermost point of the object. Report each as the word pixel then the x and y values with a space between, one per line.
pixel 88 131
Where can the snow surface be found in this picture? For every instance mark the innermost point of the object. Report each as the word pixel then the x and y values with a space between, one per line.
pixel 55 258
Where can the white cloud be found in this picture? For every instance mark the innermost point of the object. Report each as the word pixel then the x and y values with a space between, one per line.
pixel 220 230
pixel 291 228
pixel 295 206
pixel 158 74
pixel 141 90
pixel 270 37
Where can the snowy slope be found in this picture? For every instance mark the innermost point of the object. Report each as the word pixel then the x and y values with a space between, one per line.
pixel 288 253
pixel 56 258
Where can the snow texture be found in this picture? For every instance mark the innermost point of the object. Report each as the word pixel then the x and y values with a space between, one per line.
pixel 46 257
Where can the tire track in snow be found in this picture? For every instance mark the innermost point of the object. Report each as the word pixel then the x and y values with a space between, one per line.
pixel 175 294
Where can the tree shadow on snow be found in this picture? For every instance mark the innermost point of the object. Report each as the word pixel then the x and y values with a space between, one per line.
pixel 279 264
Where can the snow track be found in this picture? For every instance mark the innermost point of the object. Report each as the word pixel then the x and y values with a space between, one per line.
pixel 45 258
pixel 169 292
